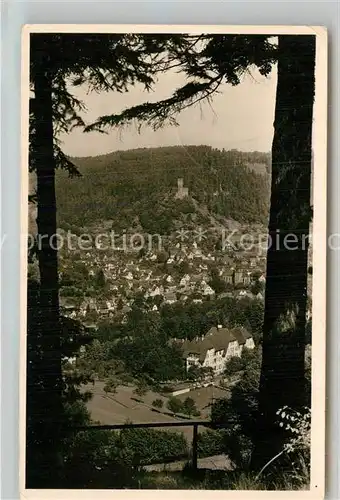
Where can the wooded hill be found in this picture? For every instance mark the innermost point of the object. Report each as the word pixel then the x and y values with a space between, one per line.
pixel 137 188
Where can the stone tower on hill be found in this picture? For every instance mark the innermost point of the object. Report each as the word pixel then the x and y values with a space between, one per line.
pixel 182 192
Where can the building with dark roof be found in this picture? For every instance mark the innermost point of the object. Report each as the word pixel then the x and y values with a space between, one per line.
pixel 215 348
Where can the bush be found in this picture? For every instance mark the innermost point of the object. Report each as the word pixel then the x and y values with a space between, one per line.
pixel 175 405
pixel 115 456
pixel 141 388
pixel 237 364
pixel 189 407
pixel 239 414
pixel 110 386
pixel 297 425
pixel 234 365
pixel 257 287
pixel 199 373
pixel 249 355
pixel 185 207
pixel 210 442
pixel 152 446
pixel 157 403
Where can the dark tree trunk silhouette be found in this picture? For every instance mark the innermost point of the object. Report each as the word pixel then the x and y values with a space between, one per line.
pixel 44 401
pixel 283 370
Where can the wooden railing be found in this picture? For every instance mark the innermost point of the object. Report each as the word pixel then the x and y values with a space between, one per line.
pixel 189 423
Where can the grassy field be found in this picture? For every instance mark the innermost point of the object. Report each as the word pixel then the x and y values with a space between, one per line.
pixel 125 406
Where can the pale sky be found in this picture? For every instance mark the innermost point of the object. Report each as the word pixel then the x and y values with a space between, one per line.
pixel 240 118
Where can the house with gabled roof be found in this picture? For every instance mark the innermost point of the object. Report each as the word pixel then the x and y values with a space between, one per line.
pixel 228 277
pixel 243 337
pixel 215 348
pixel 206 289
pixel 157 290
pixel 184 280
pixel 242 277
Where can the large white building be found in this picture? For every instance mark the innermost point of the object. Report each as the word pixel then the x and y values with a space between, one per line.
pixel 215 348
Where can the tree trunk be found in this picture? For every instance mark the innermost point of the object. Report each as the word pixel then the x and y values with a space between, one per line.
pixel 44 391
pixel 283 370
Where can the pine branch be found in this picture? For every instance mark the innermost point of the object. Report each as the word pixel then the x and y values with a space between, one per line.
pixel 159 113
pixel 64 163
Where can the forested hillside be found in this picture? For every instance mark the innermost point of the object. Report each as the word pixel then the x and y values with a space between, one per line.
pixel 136 188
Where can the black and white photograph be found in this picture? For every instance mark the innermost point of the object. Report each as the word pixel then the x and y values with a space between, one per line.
pixel 173 330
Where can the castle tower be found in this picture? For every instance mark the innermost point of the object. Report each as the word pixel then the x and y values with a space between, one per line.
pixel 182 192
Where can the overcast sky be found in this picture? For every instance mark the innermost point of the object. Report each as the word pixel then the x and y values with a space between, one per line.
pixel 240 117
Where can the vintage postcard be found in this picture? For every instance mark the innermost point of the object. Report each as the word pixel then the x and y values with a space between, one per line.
pixel 173 261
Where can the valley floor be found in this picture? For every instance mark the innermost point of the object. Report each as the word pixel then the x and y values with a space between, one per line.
pixel 124 405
